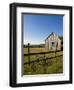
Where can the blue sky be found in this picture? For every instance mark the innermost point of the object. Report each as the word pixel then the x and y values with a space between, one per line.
pixel 37 27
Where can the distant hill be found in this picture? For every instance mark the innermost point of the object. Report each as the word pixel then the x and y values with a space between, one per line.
pixel 35 46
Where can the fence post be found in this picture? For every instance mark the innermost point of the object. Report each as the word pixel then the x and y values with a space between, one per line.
pixel 29 53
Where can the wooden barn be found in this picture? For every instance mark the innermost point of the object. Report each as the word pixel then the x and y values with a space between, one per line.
pixel 53 42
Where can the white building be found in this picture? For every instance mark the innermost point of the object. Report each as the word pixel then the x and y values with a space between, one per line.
pixel 53 42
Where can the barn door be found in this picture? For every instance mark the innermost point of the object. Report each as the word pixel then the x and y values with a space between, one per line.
pixel 53 46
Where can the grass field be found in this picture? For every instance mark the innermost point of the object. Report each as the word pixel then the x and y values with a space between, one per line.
pixel 52 66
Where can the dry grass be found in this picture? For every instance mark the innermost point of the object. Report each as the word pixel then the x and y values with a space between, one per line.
pixel 35 50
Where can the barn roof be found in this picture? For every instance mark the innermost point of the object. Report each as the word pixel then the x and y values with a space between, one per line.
pixel 50 35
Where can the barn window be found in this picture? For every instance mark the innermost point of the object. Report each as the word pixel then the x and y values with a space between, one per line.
pixel 53 44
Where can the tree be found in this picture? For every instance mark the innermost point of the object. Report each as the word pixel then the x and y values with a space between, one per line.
pixel 61 38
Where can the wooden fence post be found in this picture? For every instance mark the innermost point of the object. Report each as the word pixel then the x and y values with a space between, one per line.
pixel 29 53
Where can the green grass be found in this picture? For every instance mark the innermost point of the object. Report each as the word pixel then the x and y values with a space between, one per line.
pixel 35 57
pixel 54 65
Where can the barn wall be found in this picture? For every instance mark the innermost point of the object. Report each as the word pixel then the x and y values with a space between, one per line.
pixel 59 44
pixel 46 44
pixel 53 38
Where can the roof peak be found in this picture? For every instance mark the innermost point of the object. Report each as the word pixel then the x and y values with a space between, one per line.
pixel 50 35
